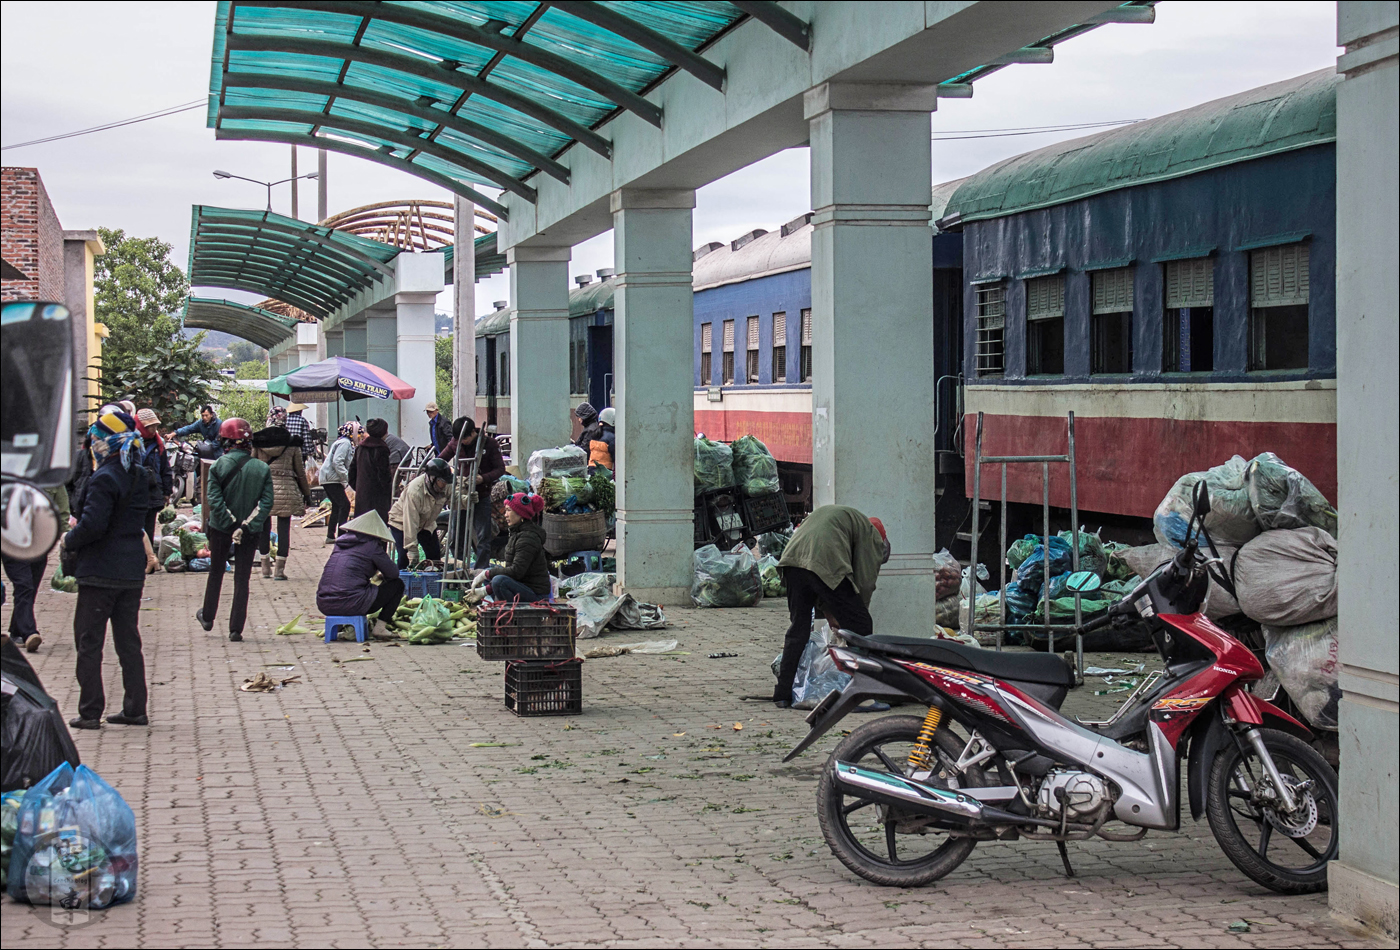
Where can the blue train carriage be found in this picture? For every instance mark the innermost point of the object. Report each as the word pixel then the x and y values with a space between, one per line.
pixel 1172 282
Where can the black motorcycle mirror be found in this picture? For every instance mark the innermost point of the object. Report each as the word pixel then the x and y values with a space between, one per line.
pixel 29 522
pixel 36 392
pixel 1083 582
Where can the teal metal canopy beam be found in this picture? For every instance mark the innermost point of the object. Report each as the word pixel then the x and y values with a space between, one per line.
pixel 645 37
pixel 254 285
pixel 1035 55
pixel 954 90
pixel 779 20
pixel 404 139
pixel 372 155
pixel 444 71
pixel 307 234
pixel 408 107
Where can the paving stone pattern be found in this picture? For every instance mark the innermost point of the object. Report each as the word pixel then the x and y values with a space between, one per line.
pixel 394 801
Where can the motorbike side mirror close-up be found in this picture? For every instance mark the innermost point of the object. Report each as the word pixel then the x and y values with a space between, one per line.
pixel 1083 582
pixel 1200 499
pixel 36 392
pixel 29 522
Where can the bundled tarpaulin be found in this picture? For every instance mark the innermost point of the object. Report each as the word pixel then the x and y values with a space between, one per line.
pixel 35 735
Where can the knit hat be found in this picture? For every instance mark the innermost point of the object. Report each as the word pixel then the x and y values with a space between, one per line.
pixel 370 525
pixel 148 417
pixel 585 412
pixel 525 505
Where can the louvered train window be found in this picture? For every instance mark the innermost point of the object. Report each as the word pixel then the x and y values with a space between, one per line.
pixel 728 353
pixel 751 352
pixel 806 353
pixel 706 345
pixel 1111 328
pixel 1188 316
pixel 1278 301
pixel 780 347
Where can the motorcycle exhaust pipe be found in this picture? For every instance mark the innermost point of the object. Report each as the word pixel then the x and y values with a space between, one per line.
pixel 894 790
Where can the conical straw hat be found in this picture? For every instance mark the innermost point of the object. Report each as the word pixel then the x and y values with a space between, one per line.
pixel 369 524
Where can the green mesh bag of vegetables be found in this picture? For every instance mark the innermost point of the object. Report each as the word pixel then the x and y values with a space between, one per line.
pixel 755 469
pixel 714 465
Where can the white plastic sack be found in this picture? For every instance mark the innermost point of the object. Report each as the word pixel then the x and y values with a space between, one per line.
pixel 1231 519
pixel 567 460
pixel 1146 558
pixel 817 674
pixel 1304 658
pixel 1288 577
pixel 1282 497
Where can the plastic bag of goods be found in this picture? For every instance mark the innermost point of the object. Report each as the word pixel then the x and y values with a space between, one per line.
pixel 1018 551
pixel 1231 519
pixel 1145 559
pixel 62 582
pixel 817 674
pixel 1031 573
pixel 75 843
pixel 557 490
pixel 1282 497
pixel 726 578
pixel 191 543
pixel 774 542
pixel 947 574
pixel 35 736
pixel 755 469
pixel 1304 659
pixel 1091 553
pixel 432 622
pixel 1116 568
pixel 565 460
pixel 167 514
pixel 985 612
pixel 714 465
pixel 1287 577
pixel 772 576
pixel 9 822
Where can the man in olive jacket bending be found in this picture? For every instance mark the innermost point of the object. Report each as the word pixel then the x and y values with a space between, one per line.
pixel 240 500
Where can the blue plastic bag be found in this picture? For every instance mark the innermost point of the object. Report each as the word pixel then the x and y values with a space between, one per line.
pixel 1031 573
pixel 75 843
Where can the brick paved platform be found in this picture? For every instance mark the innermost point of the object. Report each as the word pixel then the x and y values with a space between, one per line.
pixel 394 801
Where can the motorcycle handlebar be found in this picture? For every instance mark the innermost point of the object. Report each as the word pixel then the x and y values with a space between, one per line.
pixel 1097 623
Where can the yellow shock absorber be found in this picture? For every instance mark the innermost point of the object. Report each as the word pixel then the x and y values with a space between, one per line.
pixel 922 752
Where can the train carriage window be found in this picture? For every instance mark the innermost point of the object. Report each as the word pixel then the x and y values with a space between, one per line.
pixel 728 368
pixel 1111 331
pixel 1045 326
pixel 1278 307
pixel 806 353
pixel 751 352
pixel 991 328
pixel 578 356
pixel 706 344
pixel 780 347
pixel 1189 316
pixel 503 378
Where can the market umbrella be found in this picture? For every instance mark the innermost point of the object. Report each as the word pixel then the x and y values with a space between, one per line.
pixel 330 379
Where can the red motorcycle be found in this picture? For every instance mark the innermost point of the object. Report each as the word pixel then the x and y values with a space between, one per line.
pixel 903 800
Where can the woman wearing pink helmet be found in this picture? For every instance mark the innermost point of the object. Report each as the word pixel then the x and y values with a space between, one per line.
pixel 525 575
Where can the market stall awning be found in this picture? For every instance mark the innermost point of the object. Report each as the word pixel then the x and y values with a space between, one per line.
pixel 340 377
pixel 262 327
pixel 311 267
pixel 482 93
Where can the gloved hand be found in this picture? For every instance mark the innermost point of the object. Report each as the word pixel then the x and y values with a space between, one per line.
pixel 238 536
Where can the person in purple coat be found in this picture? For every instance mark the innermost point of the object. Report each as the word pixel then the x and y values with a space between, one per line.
pixel 360 553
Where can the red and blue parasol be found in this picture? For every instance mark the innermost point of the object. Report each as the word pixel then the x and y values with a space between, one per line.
pixel 340 377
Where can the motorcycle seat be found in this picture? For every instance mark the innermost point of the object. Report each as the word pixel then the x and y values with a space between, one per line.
pixel 1045 668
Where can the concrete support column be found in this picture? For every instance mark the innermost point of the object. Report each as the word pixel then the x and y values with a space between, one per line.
pixel 652 351
pixel 872 326
pixel 308 344
pixel 331 412
pixel 382 350
pixel 420 280
pixel 539 350
pixel 464 312
pixel 1362 881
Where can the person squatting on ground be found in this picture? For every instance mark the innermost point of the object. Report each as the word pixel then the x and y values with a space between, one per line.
pixel 370 472
pixel 291 492
pixel 462 448
pixel 525 575
pixel 105 553
pixel 830 564
pixel 26 577
pixel 413 517
pixel 345 589
pixel 335 475
pixel 240 501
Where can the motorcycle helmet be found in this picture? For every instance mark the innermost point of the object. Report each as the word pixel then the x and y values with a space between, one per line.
pixel 235 430
pixel 438 468
pixel 608 416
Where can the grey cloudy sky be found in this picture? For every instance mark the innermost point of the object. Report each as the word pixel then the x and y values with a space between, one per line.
pixel 67 66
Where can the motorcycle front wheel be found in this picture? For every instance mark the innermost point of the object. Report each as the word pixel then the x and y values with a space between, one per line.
pixel 884 844
pixel 1285 852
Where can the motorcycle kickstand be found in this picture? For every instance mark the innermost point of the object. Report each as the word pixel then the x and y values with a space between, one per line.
pixel 1064 856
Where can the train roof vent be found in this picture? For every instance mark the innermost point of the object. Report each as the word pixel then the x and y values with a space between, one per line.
pixel 746 238
pixel 704 249
pixel 801 221
pixel 605 272
pixel 500 304
pixel 583 280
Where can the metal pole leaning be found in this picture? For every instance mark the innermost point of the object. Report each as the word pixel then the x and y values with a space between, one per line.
pixel 1074 553
pixel 971 623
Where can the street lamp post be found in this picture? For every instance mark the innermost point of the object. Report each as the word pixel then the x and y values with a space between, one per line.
pixel 219 173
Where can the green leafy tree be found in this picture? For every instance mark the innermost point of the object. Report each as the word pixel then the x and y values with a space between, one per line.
pixel 242 351
pixel 442 355
pixel 250 404
pixel 137 291
pixel 174 380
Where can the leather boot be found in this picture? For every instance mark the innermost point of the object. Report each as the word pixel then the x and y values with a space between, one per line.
pixel 281 572
pixel 267 565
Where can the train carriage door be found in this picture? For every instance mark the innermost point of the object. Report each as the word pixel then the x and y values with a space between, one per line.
pixel 490 380
pixel 600 365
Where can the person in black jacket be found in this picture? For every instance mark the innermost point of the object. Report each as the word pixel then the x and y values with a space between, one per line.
pixel 157 460
pixel 107 551
pixel 370 472
pixel 525 575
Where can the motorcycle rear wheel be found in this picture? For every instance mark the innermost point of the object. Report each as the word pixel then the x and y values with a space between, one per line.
pixel 1303 843
pixel 876 745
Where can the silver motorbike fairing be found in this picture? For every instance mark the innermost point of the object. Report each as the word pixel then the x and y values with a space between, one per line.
pixel 1146 781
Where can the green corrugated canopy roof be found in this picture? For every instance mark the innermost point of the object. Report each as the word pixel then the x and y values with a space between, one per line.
pixel 262 327
pixel 311 267
pixel 1280 117
pixel 488 260
pixel 458 93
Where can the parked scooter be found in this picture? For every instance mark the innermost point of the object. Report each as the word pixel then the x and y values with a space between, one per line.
pixel 903 801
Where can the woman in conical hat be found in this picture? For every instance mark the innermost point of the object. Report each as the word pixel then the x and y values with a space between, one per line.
pixel 360 552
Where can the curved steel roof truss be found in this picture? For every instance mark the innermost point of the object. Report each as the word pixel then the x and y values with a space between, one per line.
pixel 261 327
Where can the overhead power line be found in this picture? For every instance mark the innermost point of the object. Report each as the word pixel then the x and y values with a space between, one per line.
pixel 158 114
pixel 955 135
